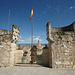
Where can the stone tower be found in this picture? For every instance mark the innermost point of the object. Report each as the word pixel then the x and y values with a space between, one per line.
pixel 15 33
pixel 39 43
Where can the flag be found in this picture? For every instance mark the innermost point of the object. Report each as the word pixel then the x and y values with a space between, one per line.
pixel 31 14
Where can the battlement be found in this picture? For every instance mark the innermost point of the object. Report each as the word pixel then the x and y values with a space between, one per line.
pixel 5 32
pixel 12 35
pixel 67 29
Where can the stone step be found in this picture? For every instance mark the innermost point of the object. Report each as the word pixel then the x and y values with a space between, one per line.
pixel 29 65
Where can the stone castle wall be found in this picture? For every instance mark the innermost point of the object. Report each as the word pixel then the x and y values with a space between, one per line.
pixel 4 55
pixel 4 35
pixel 61 46
pixel 8 46
pixel 63 51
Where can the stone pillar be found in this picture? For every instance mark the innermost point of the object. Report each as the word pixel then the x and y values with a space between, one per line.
pixel 74 26
pixel 45 56
pixel 50 54
pixel 74 31
pixel 48 30
pixel 12 54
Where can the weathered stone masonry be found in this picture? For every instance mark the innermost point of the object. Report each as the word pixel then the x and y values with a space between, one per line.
pixel 61 46
pixel 8 44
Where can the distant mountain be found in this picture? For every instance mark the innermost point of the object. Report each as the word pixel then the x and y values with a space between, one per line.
pixel 29 44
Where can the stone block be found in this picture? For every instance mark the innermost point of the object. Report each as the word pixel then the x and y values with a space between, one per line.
pixel 59 62
pixel 66 50
pixel 74 38
pixel 66 63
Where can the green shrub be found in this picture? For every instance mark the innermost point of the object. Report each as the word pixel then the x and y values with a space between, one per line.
pixel 25 53
pixel 39 56
pixel 60 33
pixel 60 37
pixel 52 41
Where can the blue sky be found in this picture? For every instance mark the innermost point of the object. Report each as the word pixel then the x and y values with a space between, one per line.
pixel 44 11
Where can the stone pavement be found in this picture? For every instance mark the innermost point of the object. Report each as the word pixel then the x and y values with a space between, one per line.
pixel 35 71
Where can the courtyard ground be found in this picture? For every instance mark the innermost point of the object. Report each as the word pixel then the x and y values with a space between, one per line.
pixel 17 70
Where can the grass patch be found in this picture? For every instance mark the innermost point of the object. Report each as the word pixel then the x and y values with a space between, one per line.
pixel 39 56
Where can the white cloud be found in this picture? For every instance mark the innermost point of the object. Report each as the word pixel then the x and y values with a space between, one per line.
pixel 21 40
pixel 35 38
pixel 20 36
pixel 38 36
pixel 28 39
pixel 40 39
pixel 72 7
pixel 44 12
pixel 48 6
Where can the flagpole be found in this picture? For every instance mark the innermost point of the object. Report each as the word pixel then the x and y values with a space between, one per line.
pixel 58 16
pixel 32 30
pixel 8 21
pixel 32 41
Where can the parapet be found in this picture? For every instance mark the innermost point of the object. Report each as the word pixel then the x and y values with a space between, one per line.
pixel 12 35
pixel 68 29
pixel 5 32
